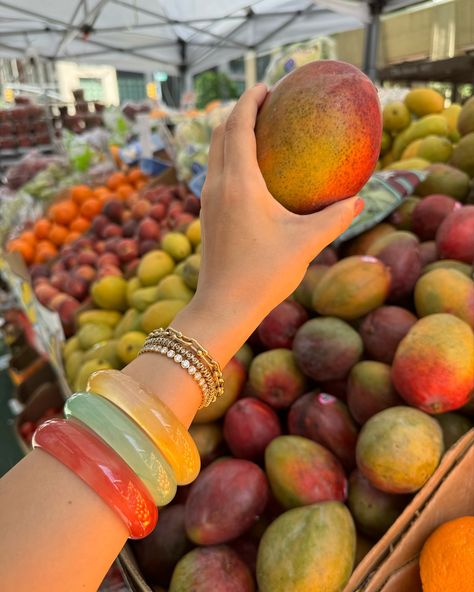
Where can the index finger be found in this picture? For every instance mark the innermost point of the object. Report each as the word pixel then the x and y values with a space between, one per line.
pixel 240 149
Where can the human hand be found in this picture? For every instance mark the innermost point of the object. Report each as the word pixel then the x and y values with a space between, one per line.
pixel 254 251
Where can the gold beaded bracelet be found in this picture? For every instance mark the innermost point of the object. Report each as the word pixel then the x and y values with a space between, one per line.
pixel 192 357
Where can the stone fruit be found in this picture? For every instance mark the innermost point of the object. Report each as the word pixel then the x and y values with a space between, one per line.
pixel 429 213
pixel 402 218
pixel 396 116
pixel 304 292
pixel 191 271
pixel 158 553
pixel 212 568
pixel 463 155
pixel 154 266
pixel 172 287
pixel 45 293
pixel 327 348
pixel 235 376
pixel 104 350
pixel 302 472
pixel 326 420
pixel 327 256
pixel 386 142
pixel 433 367
pixel 71 345
pixel 249 426
pixel 445 290
pixel 361 244
pixel 352 287
pixel 307 549
pixel 370 390
pixel 459 266
pixel 435 149
pixel 177 245
pixel 417 163
pixel 102 317
pixel 146 246
pixel 91 333
pixel 245 355
pixel 455 236
pixel 110 292
pixel 193 233
pixel 411 151
pixel 399 449
pixel 80 383
pixel 73 364
pixel 142 298
pixel 131 321
pixel 132 285
pixel 149 229
pixel 428 252
pixel 209 439
pixel 446 180
pixel 127 250
pixel 161 314
pixel 374 511
pixel 225 501
pixel 423 101
pixel 129 345
pixel 112 230
pixel 454 426
pixel 383 329
pixel 327 95
pixel 276 379
pixel 466 118
pixel 279 327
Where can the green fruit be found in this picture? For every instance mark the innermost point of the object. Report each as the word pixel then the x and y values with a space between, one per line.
pixel 92 333
pixel 418 164
pixel 435 125
pixel 107 351
pixel 86 370
pixel 143 297
pixel 454 426
pixel 71 345
pixel 396 117
pixel 172 287
pixel 73 365
pixel 310 549
pixel 464 268
pixel 386 142
pixel 131 321
pixel 103 317
pixel 178 270
pixel 451 114
pixel 466 118
pixel 463 155
pixel 129 345
pixel 411 151
pixel 444 179
pixel 191 271
pixel 154 266
pixel 435 149
pixel 133 284
pixel 161 314
pixel 245 355
pixel 177 245
pixel 110 292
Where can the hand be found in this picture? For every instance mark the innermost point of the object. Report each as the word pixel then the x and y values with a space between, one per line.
pixel 254 251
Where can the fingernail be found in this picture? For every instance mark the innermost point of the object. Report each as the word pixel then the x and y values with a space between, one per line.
pixel 358 206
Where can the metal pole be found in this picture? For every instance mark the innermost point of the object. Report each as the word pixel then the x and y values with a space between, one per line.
pixel 372 33
pixel 250 63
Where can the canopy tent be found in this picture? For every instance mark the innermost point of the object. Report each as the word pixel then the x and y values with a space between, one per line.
pixel 178 37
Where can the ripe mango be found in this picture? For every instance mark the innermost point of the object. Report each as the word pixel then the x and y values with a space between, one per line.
pixel 463 155
pixel 177 245
pixel 144 297
pixel 173 287
pixel 110 292
pixel 92 333
pixel 129 345
pixel 105 350
pixel 133 284
pixel 193 232
pixel 429 125
pixel 318 135
pixel 103 317
pixel 154 266
pixel 424 101
pixel 396 116
pixel 451 114
pixel 418 164
pixel 446 180
pixel 466 118
pixel 73 365
pixel 191 271
pixel 131 321
pixel 161 314
pixel 435 149
pixel 411 151
pixel 86 370
pixel 70 346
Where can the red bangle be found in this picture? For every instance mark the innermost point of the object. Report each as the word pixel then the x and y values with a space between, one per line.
pixel 77 447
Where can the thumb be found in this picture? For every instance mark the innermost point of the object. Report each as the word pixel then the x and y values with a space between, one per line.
pixel 325 226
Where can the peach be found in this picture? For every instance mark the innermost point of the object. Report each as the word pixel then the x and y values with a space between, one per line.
pixel 140 209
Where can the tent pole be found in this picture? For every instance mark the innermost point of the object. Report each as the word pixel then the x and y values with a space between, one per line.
pixel 250 62
pixel 372 34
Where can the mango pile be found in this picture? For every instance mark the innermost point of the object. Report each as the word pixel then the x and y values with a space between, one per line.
pixel 335 413
pixel 420 133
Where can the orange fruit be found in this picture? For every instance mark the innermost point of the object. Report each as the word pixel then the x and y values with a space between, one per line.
pixel 135 175
pixel 125 190
pixel 115 180
pixel 447 557
pixel 80 193
pixel 42 228
pixel 45 251
pixel 80 224
pixel 26 250
pixel 140 184
pixel 29 237
pixel 63 212
pixel 102 192
pixel 58 234
pixel 72 237
pixel 91 207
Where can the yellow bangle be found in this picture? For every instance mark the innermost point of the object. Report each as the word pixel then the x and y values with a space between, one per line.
pixel 154 418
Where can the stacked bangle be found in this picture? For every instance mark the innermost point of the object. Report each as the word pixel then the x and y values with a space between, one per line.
pixel 128 441
pixel 78 448
pixel 154 418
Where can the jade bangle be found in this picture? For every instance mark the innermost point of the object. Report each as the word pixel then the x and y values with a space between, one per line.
pixel 154 418
pixel 128 441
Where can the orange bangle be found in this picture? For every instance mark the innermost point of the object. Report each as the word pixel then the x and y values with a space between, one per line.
pixel 79 449
pixel 155 419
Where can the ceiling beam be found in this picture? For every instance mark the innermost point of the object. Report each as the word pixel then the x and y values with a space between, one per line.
pixel 287 23
pixel 36 15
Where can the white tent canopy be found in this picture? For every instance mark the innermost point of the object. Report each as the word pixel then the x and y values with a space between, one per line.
pixel 175 37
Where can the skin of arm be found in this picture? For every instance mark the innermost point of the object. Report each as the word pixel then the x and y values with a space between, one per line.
pixel 57 534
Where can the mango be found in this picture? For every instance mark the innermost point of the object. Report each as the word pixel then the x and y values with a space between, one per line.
pixel 330 156
pixel 129 345
pixel 370 390
pixel 110 292
pixel 352 287
pixel 386 143
pixel 435 125
pixel 191 271
pixel 361 244
pixel 177 245
pixel 172 287
pixel 373 511
pixel 245 355
pixel 416 163
pixel 445 179
pixel 71 345
pixel 104 350
pixel 423 101
pixel 193 232
pixel 445 290
pixel 454 426
pixel 103 317
pixel 302 472
pixel 429 213
pixel 402 217
pixel 208 438
pixel 433 367
pixel 275 378
pixel 463 268
pixel 396 116
pixel 466 118
pixel 363 546
pixel 161 314
pixel 131 321
pixel 73 364
pixel 133 284
pixel 383 329
pixel 429 253
pixel 216 568
pixel 144 297
pixel 92 333
pixel 327 348
pixel 304 292
pixel 435 149
pixel 225 500
pixel 80 383
pixel 451 114
pixel 310 549
pixel 411 151
pixel 463 155
pixel 154 266
pixel 455 236
pixel 399 449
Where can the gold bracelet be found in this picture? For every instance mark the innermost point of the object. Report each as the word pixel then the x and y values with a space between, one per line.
pixel 192 357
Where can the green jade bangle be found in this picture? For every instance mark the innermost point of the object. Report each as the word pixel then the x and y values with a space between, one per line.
pixel 124 436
